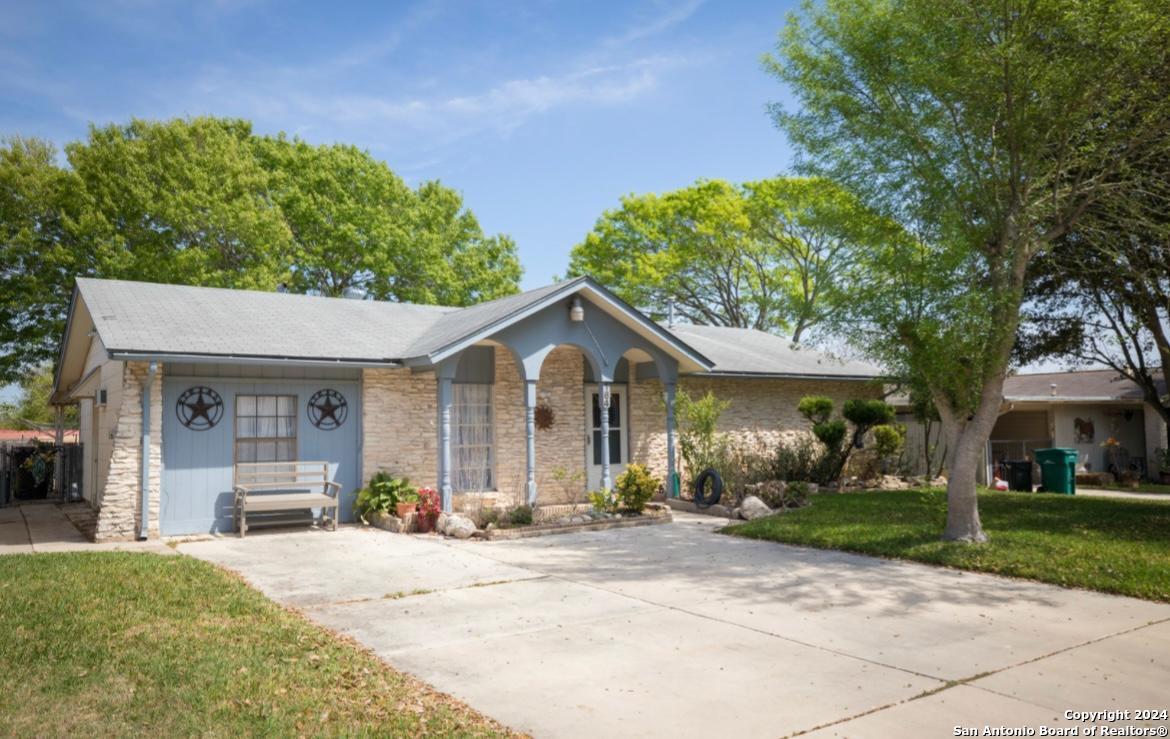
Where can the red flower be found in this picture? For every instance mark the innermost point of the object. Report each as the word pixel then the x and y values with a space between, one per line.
pixel 428 502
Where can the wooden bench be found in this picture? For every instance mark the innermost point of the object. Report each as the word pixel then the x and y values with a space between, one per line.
pixel 283 486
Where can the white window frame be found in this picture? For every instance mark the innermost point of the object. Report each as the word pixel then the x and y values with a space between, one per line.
pixel 256 439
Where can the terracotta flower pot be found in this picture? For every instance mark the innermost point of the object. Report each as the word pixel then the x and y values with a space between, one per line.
pixel 424 524
pixel 405 509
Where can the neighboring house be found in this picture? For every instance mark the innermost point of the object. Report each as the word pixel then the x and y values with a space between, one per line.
pixel 24 436
pixel 1080 410
pixel 483 403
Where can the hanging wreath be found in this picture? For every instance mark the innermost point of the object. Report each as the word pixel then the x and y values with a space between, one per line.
pixel 545 417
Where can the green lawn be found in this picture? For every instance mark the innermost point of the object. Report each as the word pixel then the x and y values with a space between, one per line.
pixel 1106 544
pixel 122 644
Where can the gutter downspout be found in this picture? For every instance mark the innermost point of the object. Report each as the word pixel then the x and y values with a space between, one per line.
pixel 144 518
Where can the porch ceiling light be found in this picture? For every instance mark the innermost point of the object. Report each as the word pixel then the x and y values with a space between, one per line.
pixel 577 312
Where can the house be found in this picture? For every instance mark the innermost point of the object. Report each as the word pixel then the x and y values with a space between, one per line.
pixel 486 403
pixel 1082 410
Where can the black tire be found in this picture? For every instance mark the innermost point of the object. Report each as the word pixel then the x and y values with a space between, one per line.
pixel 702 500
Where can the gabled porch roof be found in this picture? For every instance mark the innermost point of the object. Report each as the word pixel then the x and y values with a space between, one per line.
pixel 456 331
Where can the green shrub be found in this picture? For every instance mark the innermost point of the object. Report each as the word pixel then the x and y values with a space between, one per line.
pixel 603 501
pixel 888 442
pixel 699 440
pixel 747 461
pixel 816 408
pixel 521 515
pixel 888 439
pixel 831 433
pixel 384 492
pixel 796 458
pixel 635 487
pixel 867 413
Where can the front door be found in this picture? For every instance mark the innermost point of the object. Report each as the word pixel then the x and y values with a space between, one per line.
pixel 618 433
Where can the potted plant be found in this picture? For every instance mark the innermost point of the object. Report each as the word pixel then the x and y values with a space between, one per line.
pixel 1162 459
pixel 383 495
pixel 429 507
pixel 407 500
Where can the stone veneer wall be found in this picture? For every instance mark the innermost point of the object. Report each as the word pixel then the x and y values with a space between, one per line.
pixel 121 499
pixel 760 410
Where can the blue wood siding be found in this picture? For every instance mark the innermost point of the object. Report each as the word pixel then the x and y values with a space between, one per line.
pixel 196 496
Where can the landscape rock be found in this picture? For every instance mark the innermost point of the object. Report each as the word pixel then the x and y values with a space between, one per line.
pixel 940 482
pixel 385 521
pixel 719 510
pixel 754 508
pixel 459 526
pixel 891 482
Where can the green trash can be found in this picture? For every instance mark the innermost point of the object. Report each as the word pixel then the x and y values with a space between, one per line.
pixel 1058 470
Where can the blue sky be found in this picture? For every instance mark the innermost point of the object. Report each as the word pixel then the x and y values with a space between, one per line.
pixel 543 113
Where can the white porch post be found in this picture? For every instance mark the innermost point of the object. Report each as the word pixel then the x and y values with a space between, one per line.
pixel 603 400
pixel 530 437
pixel 445 400
pixel 668 396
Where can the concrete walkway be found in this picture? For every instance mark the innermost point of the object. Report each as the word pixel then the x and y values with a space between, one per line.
pixel 1102 493
pixel 678 631
pixel 47 527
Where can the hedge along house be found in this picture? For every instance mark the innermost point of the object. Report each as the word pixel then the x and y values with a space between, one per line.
pixel 177 384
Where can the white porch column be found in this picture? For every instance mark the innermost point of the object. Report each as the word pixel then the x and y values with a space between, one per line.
pixel 445 400
pixel 530 437
pixel 668 396
pixel 603 399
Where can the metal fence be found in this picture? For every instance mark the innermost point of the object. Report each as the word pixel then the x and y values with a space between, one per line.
pixel 40 471
pixel 1000 451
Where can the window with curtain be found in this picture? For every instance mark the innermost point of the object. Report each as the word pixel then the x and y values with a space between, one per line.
pixel 266 428
pixel 471 438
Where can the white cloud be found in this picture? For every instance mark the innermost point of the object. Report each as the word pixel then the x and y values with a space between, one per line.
pixel 666 14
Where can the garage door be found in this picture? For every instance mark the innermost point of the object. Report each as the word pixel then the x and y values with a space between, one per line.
pixel 211 422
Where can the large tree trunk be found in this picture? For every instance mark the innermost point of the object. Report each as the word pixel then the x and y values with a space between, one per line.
pixel 963 522
pixel 966 441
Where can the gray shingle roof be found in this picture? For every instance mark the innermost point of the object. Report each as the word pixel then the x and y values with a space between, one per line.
pixel 177 319
pixel 746 351
pixel 459 324
pixel 1079 385
pixel 149 318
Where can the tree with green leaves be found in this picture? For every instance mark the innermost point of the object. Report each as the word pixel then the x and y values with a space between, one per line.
pixel 1102 297
pixel 38 252
pixel 31 410
pixel 986 130
pixel 766 255
pixel 204 201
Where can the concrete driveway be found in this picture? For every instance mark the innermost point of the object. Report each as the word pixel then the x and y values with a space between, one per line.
pixel 677 631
